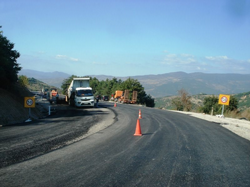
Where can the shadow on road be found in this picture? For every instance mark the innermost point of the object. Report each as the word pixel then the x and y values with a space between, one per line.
pixel 64 111
pixel 24 141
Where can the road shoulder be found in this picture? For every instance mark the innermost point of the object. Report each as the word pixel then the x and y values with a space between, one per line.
pixel 237 126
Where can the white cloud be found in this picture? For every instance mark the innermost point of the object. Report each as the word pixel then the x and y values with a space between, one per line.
pixel 74 59
pixel 64 57
pixel 217 58
pixel 206 64
pixel 177 60
pixel 61 57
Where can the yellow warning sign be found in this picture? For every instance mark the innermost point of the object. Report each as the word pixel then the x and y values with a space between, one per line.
pixel 29 102
pixel 224 99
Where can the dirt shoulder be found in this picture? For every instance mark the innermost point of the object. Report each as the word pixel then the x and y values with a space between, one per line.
pixel 12 108
pixel 237 126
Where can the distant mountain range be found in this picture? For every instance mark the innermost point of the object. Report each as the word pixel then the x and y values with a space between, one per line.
pixel 195 83
pixel 166 84
pixel 51 78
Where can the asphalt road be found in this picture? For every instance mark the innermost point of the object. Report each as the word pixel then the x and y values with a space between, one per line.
pixel 66 124
pixel 175 150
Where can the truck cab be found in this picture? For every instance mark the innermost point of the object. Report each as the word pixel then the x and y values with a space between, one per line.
pixel 84 97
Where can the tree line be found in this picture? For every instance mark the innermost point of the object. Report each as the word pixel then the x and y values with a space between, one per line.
pixel 9 67
pixel 109 86
pixel 210 103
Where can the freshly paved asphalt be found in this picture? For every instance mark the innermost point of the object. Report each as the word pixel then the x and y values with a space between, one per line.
pixel 175 150
pixel 19 142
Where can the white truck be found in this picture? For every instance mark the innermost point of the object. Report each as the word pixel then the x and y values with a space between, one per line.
pixel 80 93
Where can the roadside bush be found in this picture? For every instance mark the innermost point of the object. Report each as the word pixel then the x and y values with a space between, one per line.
pixel 149 101
pixel 176 102
pixel 212 103
pixel 183 102
pixel 23 80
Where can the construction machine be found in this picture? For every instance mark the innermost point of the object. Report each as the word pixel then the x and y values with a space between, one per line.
pixel 134 97
pixel 52 95
pixel 123 97
pixel 118 95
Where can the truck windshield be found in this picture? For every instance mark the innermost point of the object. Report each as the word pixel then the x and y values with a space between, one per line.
pixel 81 93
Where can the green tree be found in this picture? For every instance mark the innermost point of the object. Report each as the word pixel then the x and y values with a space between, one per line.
pixel 183 101
pixel 176 102
pixel 94 84
pixel 134 85
pixel 149 101
pixel 8 62
pixel 66 83
pixel 103 87
pixel 108 87
pixel 23 80
pixel 212 102
pixel 233 104
pixel 113 85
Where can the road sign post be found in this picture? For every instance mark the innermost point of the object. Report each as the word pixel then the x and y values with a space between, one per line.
pixel 222 111
pixel 224 100
pixel 29 102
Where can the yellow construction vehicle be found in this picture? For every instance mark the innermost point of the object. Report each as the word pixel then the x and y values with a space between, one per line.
pixel 118 95
pixel 134 97
pixel 123 97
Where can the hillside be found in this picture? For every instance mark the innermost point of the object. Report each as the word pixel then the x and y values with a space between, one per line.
pixel 166 102
pixel 167 84
pixel 197 101
pixel 12 102
pixel 12 106
pixel 51 78
pixel 37 85
pixel 244 100
pixel 195 83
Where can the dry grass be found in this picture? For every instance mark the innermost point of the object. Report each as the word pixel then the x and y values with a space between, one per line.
pixel 246 114
pixel 239 115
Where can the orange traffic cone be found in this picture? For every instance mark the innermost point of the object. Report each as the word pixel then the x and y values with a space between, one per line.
pixel 140 117
pixel 115 105
pixel 138 129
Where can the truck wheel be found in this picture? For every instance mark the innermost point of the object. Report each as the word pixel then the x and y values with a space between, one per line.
pixel 71 102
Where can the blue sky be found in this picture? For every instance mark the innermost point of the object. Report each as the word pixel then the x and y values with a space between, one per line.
pixel 129 37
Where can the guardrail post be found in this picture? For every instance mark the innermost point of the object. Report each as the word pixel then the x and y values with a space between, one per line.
pixel 49 110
